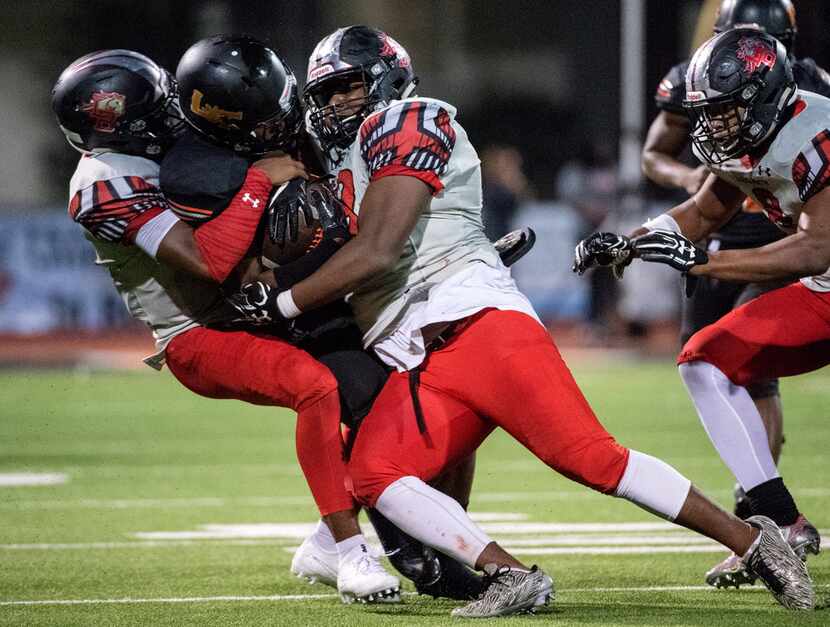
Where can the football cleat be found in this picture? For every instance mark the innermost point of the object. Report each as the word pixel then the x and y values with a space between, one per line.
pixel 362 578
pixel 730 572
pixel 509 591
pixel 314 564
pixel 773 560
pixel 802 537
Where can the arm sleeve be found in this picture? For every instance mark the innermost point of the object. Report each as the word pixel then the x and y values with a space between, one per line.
pixel 811 168
pixel 672 90
pixel 225 239
pixel 150 235
pixel 114 210
pixel 410 139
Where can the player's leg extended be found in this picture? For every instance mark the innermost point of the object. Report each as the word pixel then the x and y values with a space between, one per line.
pixel 754 342
pixel 390 464
pixel 766 393
pixel 516 359
pixel 265 370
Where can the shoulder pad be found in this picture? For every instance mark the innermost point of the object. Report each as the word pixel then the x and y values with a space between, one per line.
pixel 200 179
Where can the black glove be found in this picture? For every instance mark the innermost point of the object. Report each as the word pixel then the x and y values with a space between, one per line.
pixel 670 248
pixel 603 249
pixel 257 304
pixel 284 207
pixel 329 209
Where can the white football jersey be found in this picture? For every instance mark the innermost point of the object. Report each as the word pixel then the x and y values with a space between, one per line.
pixel 420 137
pixel 794 168
pixel 112 196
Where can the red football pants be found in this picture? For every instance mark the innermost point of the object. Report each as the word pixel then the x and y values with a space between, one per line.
pixel 265 370
pixel 500 369
pixel 781 333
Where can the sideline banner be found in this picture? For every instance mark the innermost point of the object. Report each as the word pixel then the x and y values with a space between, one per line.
pixel 49 280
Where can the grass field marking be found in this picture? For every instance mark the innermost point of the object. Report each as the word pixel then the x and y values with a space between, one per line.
pixel 314 597
pixel 278 501
pixel 19 479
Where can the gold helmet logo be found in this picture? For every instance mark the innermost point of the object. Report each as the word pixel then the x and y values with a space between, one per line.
pixel 211 113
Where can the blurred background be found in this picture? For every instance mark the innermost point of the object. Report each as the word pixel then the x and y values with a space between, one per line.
pixel 556 96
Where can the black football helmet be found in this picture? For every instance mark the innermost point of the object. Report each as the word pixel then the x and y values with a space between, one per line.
pixel 237 92
pixel 738 86
pixel 118 101
pixel 355 54
pixel 776 17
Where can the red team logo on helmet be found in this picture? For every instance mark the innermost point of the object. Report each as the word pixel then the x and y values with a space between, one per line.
pixel 105 108
pixel 392 48
pixel 755 53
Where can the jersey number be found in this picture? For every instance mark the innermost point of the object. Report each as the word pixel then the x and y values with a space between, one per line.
pixel 772 208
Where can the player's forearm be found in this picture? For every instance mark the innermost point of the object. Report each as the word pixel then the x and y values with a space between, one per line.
pixel 353 265
pixel 792 257
pixel 665 170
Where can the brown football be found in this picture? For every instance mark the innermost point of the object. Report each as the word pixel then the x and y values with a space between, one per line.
pixel 308 237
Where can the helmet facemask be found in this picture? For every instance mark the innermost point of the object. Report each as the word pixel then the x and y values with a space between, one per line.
pixel 370 70
pixel 738 88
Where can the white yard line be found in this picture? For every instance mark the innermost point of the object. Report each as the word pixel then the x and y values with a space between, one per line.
pixel 17 479
pixel 277 501
pixel 312 597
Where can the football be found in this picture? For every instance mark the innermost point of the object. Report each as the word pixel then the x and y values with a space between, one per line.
pixel 309 236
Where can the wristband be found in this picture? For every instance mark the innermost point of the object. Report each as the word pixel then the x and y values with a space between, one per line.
pixel 288 308
pixel 663 222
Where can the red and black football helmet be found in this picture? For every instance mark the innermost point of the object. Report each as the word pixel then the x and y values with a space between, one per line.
pixel 237 92
pixel 738 86
pixel 776 17
pixel 355 54
pixel 119 101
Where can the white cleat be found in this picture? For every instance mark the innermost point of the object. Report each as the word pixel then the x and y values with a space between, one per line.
pixel 362 578
pixel 314 564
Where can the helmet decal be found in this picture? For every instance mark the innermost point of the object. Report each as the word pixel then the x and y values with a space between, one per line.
pixel 211 113
pixel 104 109
pixel 755 52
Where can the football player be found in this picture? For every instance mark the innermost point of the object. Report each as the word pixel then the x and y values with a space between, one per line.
pixel 241 102
pixel 122 111
pixel 434 301
pixel 667 138
pixel 762 138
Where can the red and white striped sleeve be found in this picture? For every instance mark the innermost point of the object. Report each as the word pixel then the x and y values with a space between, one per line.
pixel 115 209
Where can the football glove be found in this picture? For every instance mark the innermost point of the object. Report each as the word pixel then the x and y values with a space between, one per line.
pixel 329 209
pixel 670 248
pixel 603 250
pixel 284 207
pixel 257 304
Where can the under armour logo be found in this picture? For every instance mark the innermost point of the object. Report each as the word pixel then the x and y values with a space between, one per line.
pixel 764 171
pixel 248 198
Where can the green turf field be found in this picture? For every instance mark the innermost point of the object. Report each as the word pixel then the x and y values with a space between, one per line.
pixel 179 510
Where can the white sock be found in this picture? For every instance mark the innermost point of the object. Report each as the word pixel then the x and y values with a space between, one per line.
pixel 653 485
pixel 345 546
pixel 434 518
pixel 323 538
pixel 732 422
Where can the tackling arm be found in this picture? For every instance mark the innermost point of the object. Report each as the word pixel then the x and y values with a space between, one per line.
pixel 704 213
pixel 805 253
pixel 388 213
